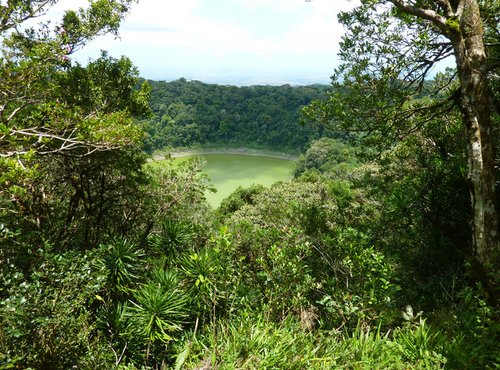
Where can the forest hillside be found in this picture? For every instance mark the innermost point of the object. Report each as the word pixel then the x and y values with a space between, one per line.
pixel 189 113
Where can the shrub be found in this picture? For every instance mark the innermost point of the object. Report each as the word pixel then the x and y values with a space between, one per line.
pixel 47 317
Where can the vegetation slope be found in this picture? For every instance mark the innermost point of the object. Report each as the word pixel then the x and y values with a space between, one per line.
pixel 365 259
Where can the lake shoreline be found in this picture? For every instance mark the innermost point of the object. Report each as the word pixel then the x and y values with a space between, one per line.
pixel 232 151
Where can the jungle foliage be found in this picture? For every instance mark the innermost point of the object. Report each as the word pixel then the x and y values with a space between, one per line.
pixel 188 113
pixel 363 260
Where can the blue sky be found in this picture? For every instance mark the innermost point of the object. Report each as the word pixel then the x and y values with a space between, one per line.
pixel 228 41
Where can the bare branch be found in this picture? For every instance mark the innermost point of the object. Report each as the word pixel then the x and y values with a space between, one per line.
pixel 428 14
pixel 68 143
pixel 446 6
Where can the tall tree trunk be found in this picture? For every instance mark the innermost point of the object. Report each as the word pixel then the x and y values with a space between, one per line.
pixel 475 106
pixel 460 21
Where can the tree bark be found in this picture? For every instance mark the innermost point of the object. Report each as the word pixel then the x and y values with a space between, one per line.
pixel 470 58
pixel 462 25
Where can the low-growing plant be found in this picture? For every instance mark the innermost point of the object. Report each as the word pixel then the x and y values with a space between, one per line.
pixel 473 329
pixel 123 262
pixel 47 316
pixel 155 315
pixel 252 341
pixel 173 240
pixel 285 279
pixel 361 283
pixel 419 343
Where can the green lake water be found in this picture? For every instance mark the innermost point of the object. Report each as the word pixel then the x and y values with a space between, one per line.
pixel 228 171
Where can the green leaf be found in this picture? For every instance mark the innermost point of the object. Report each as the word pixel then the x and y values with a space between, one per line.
pixel 182 357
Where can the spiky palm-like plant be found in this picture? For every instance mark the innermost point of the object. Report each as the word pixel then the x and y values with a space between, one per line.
pixel 167 279
pixel 157 312
pixel 123 262
pixel 174 236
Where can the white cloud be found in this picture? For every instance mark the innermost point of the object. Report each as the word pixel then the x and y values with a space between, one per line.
pixel 154 14
pixel 273 34
pixel 278 6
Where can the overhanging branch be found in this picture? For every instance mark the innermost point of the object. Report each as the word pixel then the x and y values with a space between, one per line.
pixel 428 14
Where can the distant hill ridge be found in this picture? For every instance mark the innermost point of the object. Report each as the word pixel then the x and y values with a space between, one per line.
pixel 189 113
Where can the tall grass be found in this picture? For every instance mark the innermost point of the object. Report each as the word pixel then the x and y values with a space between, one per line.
pixel 250 341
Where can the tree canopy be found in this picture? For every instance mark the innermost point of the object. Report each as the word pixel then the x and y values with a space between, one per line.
pixel 190 113
pixel 110 259
pixel 388 53
pixel 58 117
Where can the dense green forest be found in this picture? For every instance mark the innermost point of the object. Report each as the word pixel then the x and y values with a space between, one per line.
pixel 380 253
pixel 193 113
